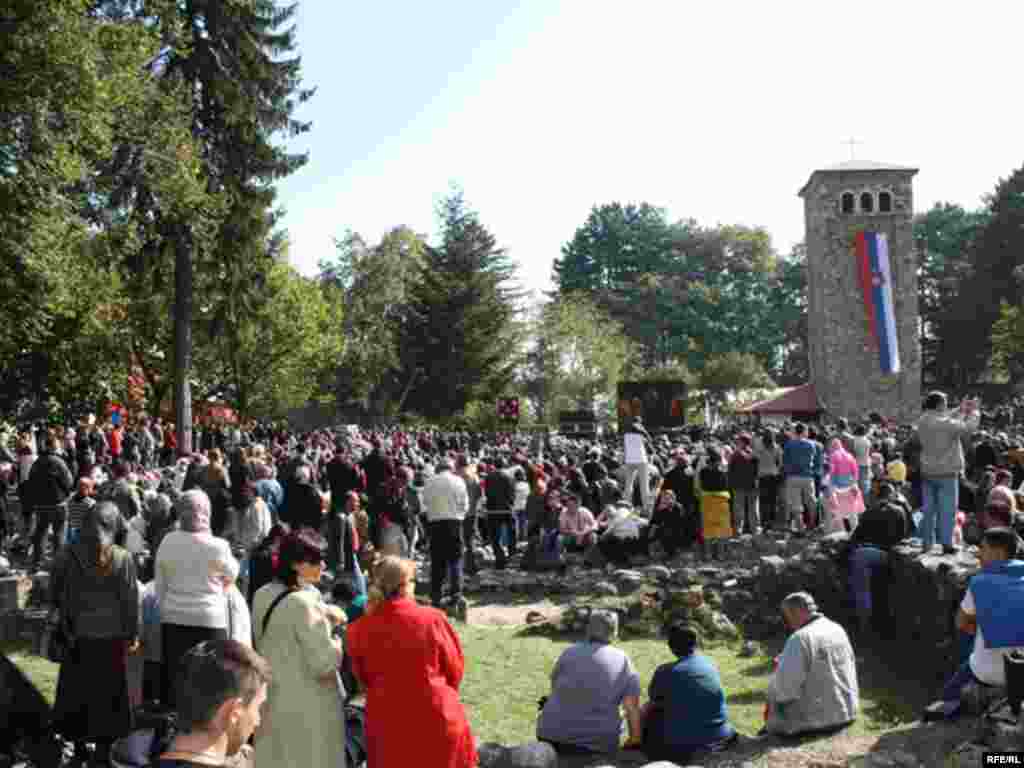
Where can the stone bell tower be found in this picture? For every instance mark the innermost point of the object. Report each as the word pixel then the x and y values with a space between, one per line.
pixel 839 202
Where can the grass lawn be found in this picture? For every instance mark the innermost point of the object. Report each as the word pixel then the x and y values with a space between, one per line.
pixel 506 672
pixel 40 671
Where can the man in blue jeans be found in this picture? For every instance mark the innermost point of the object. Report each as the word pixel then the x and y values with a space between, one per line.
pixel 993 611
pixel 942 462
pixel 885 524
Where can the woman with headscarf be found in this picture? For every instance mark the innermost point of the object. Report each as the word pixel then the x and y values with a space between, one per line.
pixel 410 661
pixel 1001 502
pixel 95 587
pixel 194 570
pixel 845 501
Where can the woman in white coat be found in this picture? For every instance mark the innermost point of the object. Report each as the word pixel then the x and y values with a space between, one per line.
pixel 303 719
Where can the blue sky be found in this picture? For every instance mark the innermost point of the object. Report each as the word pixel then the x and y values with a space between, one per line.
pixel 717 111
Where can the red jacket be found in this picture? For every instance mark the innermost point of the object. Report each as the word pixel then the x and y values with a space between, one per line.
pixel 410 660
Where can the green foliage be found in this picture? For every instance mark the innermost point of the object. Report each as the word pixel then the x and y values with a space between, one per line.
pixel 946 238
pixel 374 283
pixel 578 357
pixel 1008 342
pixel 730 372
pixel 66 75
pixel 461 333
pixel 276 351
pixel 684 293
pixel 998 267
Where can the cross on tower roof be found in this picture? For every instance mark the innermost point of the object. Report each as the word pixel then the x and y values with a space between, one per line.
pixel 852 142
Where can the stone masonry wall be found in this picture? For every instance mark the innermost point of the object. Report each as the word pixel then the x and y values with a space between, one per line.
pixel 844 363
pixel 923 593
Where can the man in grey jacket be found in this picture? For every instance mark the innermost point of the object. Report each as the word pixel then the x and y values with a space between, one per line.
pixel 942 461
pixel 815 687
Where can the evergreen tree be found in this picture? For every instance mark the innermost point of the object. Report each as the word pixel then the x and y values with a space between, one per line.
pixel 460 339
pixel 998 274
pixel 231 64
pixel 946 238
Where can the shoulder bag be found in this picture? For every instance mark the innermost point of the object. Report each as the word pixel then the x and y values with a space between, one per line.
pixel 58 639
pixel 270 611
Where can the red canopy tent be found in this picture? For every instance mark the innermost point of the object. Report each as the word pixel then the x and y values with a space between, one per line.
pixel 796 402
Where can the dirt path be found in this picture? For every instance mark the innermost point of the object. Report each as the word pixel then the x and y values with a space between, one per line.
pixel 494 614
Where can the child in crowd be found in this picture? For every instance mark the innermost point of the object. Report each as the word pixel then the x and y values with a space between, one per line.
pixel 79 504
pixel 347 595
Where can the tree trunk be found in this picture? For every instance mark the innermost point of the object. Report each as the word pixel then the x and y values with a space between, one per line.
pixel 183 343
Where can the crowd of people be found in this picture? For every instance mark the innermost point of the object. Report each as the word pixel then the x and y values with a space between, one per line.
pixel 156 552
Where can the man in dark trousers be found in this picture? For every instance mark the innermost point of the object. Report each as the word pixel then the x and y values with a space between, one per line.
pixel 50 483
pixel 501 497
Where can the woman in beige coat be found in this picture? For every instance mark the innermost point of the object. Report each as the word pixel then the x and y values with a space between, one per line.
pixel 303 721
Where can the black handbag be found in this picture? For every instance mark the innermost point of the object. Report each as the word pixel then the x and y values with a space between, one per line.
pixel 59 640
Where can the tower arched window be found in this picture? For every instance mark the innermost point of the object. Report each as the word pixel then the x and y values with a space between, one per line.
pixel 867 202
pixel 847 203
pixel 885 202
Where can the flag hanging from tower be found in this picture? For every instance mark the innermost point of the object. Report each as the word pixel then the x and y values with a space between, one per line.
pixel 875 274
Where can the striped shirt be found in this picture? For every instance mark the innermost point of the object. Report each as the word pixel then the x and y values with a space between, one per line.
pixel 77 507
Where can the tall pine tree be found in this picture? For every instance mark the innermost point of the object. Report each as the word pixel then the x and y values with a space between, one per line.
pixel 232 63
pixel 460 340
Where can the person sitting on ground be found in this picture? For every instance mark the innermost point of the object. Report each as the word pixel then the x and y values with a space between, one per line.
pixel 993 611
pixel 686 714
pixel 224 685
pixel 671 525
pixel 621 537
pixel 881 527
pixel 576 525
pixel 590 682
pixel 815 687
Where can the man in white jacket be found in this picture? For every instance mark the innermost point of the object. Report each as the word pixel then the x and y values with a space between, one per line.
pixel 814 688
pixel 636 463
pixel 445 501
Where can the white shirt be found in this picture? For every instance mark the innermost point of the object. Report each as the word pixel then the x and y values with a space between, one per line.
pixel 986 663
pixel 189 579
pixel 862 450
pixel 636 452
pixel 522 494
pixel 445 497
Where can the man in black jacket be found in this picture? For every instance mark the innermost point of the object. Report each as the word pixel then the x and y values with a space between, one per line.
pixel 501 498
pixel 881 527
pixel 50 483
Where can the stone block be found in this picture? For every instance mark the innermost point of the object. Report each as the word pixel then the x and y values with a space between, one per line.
pixel 1000 730
pixel 532 755
pixel 605 588
pixel 658 572
pixel 967 755
pixel 770 576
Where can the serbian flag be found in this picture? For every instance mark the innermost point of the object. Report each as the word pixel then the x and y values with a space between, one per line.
pixel 876 285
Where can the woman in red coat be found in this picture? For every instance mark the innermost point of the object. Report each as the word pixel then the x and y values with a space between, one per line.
pixel 410 661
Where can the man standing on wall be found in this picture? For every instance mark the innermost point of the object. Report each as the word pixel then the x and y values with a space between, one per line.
pixel 942 462
pixel 636 442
